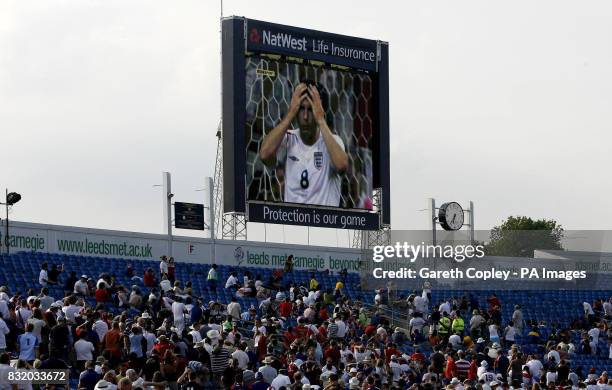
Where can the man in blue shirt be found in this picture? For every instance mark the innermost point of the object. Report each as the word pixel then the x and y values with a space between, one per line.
pixel 28 343
pixel 196 311
pixel 89 377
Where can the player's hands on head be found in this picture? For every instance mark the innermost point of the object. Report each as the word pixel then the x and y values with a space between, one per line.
pixel 315 102
pixel 296 100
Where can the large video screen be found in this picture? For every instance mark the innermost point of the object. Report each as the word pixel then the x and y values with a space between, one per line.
pixel 308 132
pixel 305 129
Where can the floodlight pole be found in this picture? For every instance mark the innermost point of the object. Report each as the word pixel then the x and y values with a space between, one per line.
pixel 14 199
pixel 432 218
pixel 6 236
pixel 167 207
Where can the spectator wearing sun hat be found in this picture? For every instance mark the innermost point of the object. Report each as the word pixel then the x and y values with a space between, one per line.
pixel 268 372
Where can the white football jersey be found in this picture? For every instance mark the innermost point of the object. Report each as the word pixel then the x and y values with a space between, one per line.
pixel 310 176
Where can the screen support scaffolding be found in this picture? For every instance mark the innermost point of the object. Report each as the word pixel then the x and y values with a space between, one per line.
pixel 233 225
pixel 365 239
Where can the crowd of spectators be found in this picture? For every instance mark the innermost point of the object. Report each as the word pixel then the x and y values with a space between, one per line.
pixel 157 334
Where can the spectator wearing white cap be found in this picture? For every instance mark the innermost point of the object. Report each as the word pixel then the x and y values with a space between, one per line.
pixel 396 370
pixel 80 286
pixel 482 369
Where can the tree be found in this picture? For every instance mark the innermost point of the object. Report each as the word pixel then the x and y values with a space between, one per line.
pixel 520 236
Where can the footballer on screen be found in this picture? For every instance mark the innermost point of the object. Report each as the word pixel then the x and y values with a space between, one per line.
pixel 315 156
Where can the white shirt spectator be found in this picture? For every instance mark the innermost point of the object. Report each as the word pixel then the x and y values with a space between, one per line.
pixel 262 329
pixel 377 299
pixel 535 367
pixel 196 336
pixel 80 287
pixel 165 285
pixel 151 340
pixel 100 327
pixel 212 274
pixel 71 312
pixel 242 358
pixel 595 334
pixel 84 350
pixel 4 310
pixel 4 370
pixel 163 267
pixel 45 302
pixel 38 325
pixel 607 306
pixel 481 369
pixel 231 281
pixel 341 328
pixel 396 370
pixel 455 341
pixel 445 307
pixel 551 377
pixel 178 311
pixel 23 315
pixel 420 304
pixel 331 369
pixel 487 377
pixel 588 309
pixel 517 318
pixel 510 333
pixel 4 330
pixel 280 381
pixel 361 356
pixel 43 277
pixel 555 355
pixel 234 309
pixel 417 323
pixel 493 331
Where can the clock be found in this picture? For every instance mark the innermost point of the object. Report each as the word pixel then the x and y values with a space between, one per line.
pixel 450 216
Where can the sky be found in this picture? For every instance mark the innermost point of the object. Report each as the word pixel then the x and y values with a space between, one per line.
pixel 506 104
